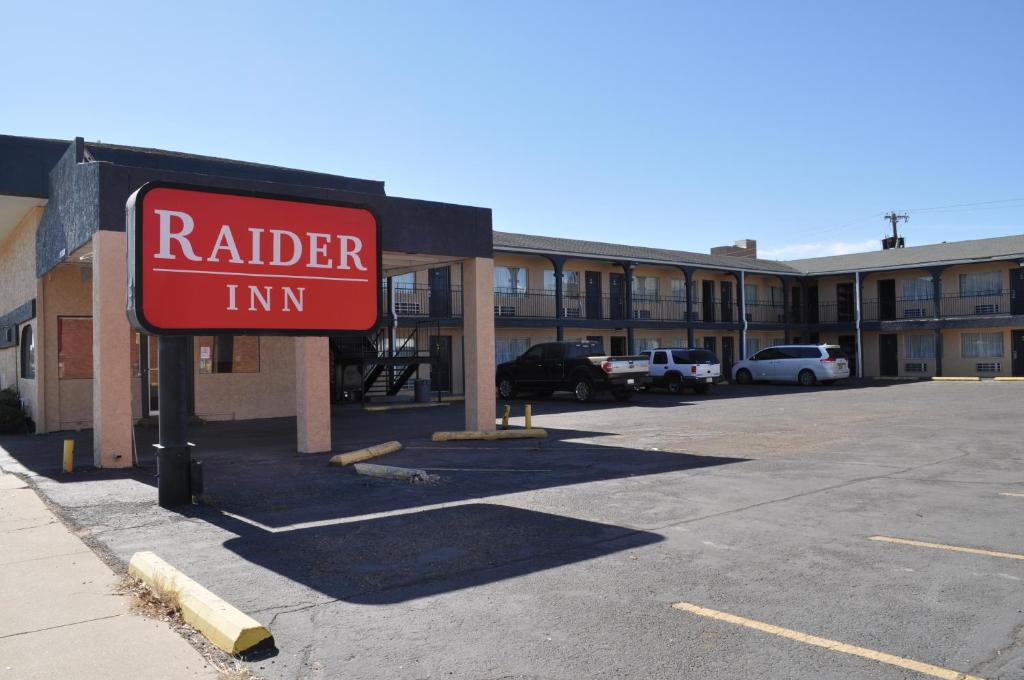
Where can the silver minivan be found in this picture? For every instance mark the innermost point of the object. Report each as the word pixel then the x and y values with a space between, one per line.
pixel 804 364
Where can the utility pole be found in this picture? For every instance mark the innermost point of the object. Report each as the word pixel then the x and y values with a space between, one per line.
pixel 894 241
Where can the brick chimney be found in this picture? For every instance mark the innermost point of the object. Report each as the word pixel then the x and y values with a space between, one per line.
pixel 745 247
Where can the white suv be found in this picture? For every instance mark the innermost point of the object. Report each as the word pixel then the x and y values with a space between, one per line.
pixel 804 364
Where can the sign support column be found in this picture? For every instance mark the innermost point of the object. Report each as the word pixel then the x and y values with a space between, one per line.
pixel 174 453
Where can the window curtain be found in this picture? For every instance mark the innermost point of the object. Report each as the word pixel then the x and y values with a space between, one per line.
pixel 507 349
pixel 510 279
pixel 981 283
pixel 981 345
pixel 920 346
pixel 917 289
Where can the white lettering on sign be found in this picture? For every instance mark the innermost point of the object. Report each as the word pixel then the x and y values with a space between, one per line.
pixel 286 247
pixel 225 241
pixel 181 237
pixel 262 298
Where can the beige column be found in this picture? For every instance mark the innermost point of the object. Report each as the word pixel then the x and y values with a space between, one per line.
pixel 478 331
pixel 111 353
pixel 313 394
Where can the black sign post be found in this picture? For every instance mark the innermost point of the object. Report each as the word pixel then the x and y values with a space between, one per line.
pixel 174 453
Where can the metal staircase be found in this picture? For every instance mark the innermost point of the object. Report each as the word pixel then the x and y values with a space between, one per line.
pixel 388 371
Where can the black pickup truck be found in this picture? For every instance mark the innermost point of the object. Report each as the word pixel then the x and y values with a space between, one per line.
pixel 578 367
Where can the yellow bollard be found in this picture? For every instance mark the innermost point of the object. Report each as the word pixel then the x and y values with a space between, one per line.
pixel 504 417
pixel 528 412
pixel 69 455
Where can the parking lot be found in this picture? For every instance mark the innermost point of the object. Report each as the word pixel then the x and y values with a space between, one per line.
pixel 748 533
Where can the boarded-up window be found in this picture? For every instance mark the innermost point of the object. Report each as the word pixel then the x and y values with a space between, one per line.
pixel 74 348
pixel 228 354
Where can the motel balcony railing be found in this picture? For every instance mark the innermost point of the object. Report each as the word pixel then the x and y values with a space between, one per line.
pixel 541 304
pixel 994 303
pixel 425 302
pixel 832 312
pixel 765 312
pixel 897 309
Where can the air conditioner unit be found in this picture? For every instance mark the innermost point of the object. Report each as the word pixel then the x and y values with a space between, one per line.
pixel 407 308
pixel 641 314
pixel 571 313
pixel 913 313
pixel 988 367
pixel 916 368
pixel 504 310
pixel 986 309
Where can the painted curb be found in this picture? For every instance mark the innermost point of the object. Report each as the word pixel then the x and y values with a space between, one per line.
pixel 1009 379
pixel 533 433
pixel 895 378
pixel 966 378
pixel 225 626
pixel 365 454
pixel 403 407
pixel 392 472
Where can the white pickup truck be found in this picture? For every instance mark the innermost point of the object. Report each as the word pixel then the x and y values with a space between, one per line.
pixel 684 367
pixel 578 367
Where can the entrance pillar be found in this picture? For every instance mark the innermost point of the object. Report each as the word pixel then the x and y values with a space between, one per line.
pixel 111 352
pixel 478 330
pixel 313 394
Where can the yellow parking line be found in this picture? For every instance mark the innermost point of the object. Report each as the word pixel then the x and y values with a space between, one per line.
pixel 1007 493
pixel 881 657
pixel 943 546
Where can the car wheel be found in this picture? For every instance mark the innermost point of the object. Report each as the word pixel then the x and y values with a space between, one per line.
pixel 675 384
pixel 743 377
pixel 583 390
pixel 806 377
pixel 506 388
pixel 701 389
pixel 622 395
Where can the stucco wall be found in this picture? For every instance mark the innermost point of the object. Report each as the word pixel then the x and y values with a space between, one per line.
pixel 955 364
pixel 18 286
pixel 67 291
pixel 269 393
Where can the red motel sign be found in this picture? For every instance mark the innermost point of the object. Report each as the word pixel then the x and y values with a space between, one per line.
pixel 212 261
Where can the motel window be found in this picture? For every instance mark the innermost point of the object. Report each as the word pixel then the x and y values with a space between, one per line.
pixel 750 291
pixel 645 287
pixel 510 279
pixel 74 348
pixel 404 281
pixel 644 344
pixel 229 354
pixel 28 353
pixel 753 346
pixel 917 289
pixel 920 346
pixel 507 349
pixel 776 293
pixel 981 345
pixel 570 282
pixel 981 283
pixel 678 290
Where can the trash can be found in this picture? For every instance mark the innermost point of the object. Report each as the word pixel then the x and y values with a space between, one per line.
pixel 422 391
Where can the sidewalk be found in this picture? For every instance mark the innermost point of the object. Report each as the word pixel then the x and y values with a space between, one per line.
pixel 61 617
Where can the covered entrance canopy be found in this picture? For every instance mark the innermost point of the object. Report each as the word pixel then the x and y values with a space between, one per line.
pixel 66 200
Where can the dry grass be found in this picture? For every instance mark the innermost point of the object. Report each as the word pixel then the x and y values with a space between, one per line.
pixel 145 602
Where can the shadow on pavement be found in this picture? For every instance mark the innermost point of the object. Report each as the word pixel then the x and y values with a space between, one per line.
pixel 392 559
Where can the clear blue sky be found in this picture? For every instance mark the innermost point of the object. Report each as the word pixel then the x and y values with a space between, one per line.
pixel 674 124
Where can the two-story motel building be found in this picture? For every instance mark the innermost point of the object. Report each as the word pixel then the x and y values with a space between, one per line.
pixel 458 298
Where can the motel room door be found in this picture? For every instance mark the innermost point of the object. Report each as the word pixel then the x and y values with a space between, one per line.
pixel 441 363
pixel 593 286
pixel 888 354
pixel 617 296
pixel 1017 291
pixel 728 356
pixel 1017 352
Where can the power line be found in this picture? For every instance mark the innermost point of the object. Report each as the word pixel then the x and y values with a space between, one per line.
pixel 966 205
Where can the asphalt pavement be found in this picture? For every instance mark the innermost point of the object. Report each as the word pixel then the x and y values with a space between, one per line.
pixel 784 522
